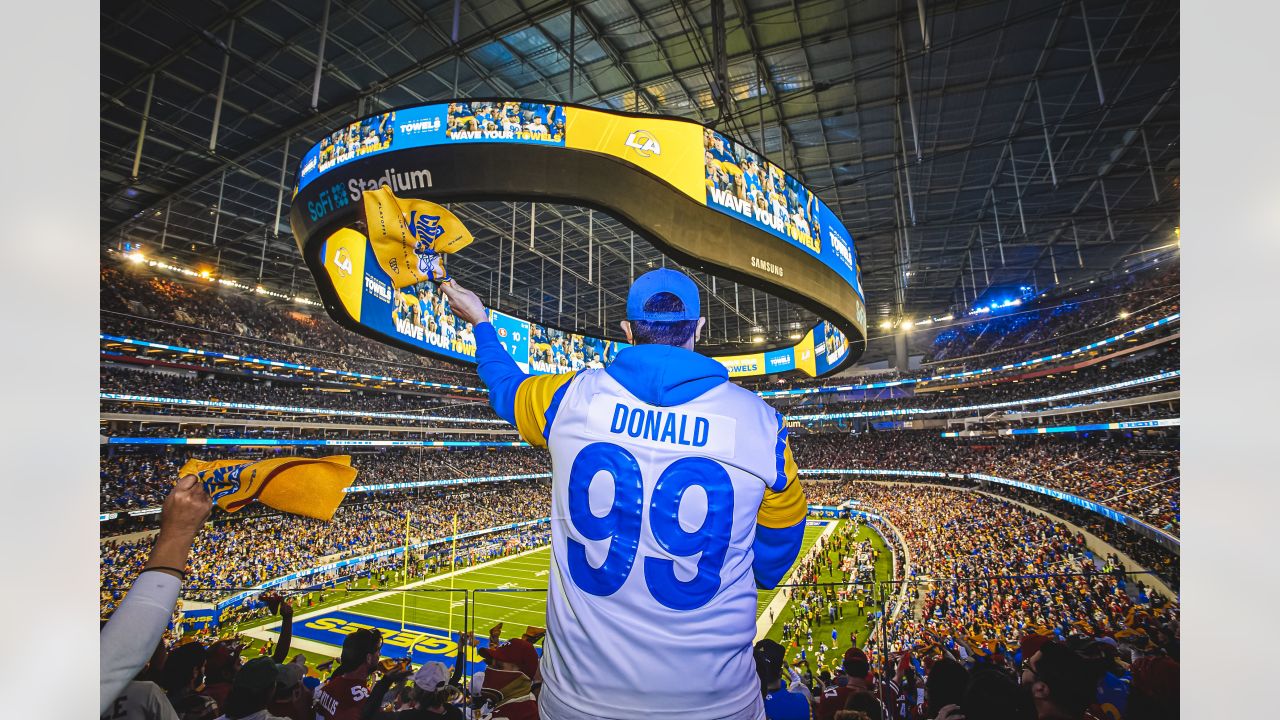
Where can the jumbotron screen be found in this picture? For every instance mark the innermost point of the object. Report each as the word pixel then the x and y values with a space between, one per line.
pixel 419 316
pixel 779 237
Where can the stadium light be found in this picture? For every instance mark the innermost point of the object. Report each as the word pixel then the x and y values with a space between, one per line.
pixel 137 257
pixel 757 340
pixel 907 324
pixel 796 336
pixel 886 324
pixel 1124 314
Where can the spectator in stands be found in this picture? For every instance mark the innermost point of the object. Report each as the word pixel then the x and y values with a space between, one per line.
pixel 856 669
pixel 1060 681
pixel 142 698
pixel 184 672
pixel 220 669
pixel 509 678
pixel 1154 690
pixel 292 699
pixel 343 697
pixel 865 703
pixel 991 695
pixel 779 703
pixel 944 685
pixel 254 687
pixel 130 637
pixel 429 695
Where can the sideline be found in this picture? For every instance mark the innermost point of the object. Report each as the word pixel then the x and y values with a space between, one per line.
pixel 783 596
pixel 262 633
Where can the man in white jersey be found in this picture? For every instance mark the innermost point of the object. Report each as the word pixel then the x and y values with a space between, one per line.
pixel 674 496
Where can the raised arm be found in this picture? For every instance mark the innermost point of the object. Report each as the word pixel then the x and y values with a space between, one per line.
pixel 526 401
pixel 130 637
pixel 281 654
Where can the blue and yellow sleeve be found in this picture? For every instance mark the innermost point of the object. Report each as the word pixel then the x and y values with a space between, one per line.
pixel 780 520
pixel 527 401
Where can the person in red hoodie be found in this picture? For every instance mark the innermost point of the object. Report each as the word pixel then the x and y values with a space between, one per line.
pixel 508 680
pixel 856 667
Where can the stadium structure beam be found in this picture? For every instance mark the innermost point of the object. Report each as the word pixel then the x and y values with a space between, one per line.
pixel 324 37
pixel 323 118
pixel 666 58
pixel 1046 48
pixel 178 52
pixel 779 111
pixel 619 61
pixel 304 124
pixel 1104 169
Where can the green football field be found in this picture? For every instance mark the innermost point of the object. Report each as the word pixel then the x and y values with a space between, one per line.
pixel 428 616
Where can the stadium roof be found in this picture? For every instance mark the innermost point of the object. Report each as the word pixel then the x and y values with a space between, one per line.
pixel 969 146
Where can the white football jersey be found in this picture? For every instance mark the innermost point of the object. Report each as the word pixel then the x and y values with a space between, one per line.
pixel 652 602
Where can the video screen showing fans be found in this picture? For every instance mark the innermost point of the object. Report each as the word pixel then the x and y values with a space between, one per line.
pixel 509 120
pixel 835 345
pixel 737 179
pixel 421 311
pixel 372 134
pixel 557 351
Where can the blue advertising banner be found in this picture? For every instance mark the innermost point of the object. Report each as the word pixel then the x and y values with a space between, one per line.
pixel 780 360
pixel 1094 507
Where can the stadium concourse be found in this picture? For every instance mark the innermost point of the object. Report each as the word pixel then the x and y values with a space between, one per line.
pixel 936 562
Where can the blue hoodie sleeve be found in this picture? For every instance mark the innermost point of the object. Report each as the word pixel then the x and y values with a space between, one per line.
pixel 780 521
pixel 498 371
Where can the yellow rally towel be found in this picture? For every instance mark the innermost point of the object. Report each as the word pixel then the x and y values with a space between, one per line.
pixel 408 236
pixel 312 487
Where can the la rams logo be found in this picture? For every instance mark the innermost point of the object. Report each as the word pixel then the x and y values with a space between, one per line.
pixel 223 481
pixel 644 143
pixel 427 229
pixel 342 261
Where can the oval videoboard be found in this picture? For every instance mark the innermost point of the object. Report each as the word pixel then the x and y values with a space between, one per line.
pixel 700 197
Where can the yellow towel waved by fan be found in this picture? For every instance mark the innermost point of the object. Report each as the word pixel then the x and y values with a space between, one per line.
pixel 409 236
pixel 312 487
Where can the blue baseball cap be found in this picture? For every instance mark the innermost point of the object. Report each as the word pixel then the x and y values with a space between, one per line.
pixel 660 281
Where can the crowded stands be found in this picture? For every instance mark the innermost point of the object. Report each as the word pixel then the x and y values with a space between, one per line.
pixel 1137 476
pixel 235 552
pixel 132 480
pixel 981 584
pixel 1058 318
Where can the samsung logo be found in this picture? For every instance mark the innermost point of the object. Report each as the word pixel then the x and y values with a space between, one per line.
pixel 766 266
